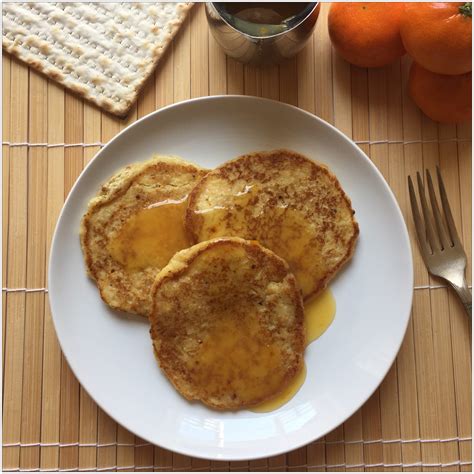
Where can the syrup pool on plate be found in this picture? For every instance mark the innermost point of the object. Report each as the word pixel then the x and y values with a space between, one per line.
pixel 319 313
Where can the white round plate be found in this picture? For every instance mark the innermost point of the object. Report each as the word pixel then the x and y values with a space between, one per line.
pixel 111 354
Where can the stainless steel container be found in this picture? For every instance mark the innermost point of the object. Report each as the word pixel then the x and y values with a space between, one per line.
pixel 261 50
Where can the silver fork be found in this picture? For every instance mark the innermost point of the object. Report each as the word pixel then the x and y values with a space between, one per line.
pixel 440 246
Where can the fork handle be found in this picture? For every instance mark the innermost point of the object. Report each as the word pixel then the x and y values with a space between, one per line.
pixel 465 296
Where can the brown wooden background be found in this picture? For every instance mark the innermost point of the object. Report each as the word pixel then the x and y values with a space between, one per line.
pixel 419 418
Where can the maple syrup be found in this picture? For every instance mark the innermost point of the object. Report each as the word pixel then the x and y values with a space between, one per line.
pixel 151 237
pixel 285 231
pixel 236 354
pixel 319 314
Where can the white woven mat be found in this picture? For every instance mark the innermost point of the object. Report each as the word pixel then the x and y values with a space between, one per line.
pixel 102 51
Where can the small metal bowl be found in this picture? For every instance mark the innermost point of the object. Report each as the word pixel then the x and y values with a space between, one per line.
pixel 262 50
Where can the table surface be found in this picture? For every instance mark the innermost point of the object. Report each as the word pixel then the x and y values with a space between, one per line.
pixel 418 419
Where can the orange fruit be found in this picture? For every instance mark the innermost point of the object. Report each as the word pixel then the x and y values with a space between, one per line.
pixel 442 97
pixel 367 34
pixel 438 36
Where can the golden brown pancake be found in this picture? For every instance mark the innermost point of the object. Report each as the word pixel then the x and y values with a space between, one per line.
pixel 227 323
pixel 134 226
pixel 289 203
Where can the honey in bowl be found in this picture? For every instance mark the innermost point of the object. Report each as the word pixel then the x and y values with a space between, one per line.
pixel 262 18
pixel 319 314
pixel 272 13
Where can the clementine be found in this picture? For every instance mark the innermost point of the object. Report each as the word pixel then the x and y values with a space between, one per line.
pixel 442 97
pixel 367 34
pixel 438 35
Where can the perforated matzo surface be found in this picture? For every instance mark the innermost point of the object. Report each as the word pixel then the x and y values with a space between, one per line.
pixel 102 51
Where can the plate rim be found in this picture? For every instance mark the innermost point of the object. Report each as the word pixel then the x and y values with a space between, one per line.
pixel 294 108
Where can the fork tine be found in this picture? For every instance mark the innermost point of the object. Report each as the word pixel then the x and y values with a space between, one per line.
pixel 419 226
pixel 432 237
pixel 442 234
pixel 447 210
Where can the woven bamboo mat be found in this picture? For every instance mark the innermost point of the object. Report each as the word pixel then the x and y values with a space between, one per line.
pixel 419 418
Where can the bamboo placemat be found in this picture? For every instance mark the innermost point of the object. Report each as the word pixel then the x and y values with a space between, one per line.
pixel 419 418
